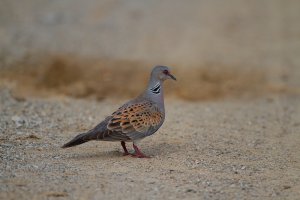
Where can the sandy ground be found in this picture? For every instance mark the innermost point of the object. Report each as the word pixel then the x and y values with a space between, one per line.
pixel 211 150
pixel 237 60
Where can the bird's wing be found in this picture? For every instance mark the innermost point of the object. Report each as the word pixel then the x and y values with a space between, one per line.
pixel 135 120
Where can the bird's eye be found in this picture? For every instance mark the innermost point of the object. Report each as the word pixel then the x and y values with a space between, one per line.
pixel 166 72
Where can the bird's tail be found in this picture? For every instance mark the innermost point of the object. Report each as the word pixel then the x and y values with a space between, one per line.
pixel 79 139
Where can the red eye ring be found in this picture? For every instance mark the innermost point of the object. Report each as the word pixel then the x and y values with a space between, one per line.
pixel 166 72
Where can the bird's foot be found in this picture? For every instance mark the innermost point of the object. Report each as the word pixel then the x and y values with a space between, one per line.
pixel 126 154
pixel 139 155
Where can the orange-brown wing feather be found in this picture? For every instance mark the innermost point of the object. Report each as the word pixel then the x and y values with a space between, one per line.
pixel 136 117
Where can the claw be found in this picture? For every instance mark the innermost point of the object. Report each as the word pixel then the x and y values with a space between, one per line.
pixel 139 156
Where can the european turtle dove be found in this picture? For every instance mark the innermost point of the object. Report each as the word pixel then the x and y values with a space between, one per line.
pixel 136 119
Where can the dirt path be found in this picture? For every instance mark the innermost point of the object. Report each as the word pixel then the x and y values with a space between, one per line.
pixel 217 150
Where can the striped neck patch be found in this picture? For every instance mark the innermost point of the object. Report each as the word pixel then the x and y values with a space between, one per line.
pixel 156 89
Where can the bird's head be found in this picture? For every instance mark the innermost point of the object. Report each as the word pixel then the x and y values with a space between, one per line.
pixel 162 73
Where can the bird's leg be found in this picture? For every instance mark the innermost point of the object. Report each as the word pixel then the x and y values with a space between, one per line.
pixel 137 153
pixel 124 148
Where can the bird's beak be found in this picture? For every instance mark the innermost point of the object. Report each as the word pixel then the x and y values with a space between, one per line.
pixel 172 77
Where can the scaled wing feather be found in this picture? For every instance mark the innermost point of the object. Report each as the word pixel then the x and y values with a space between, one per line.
pixel 138 117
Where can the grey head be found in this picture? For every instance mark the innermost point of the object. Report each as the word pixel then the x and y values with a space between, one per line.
pixel 161 73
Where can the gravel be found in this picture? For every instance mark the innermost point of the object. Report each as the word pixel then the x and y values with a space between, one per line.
pixel 205 150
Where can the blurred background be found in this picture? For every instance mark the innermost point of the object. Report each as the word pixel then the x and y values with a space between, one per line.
pixel 106 48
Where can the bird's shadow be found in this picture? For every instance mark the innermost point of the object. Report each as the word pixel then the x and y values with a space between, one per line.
pixel 96 154
pixel 157 149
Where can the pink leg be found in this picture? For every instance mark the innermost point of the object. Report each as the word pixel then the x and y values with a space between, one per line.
pixel 124 148
pixel 138 153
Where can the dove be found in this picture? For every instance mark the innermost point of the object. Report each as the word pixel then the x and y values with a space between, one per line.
pixel 135 120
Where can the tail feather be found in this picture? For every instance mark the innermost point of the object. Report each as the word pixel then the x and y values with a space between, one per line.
pixel 79 139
